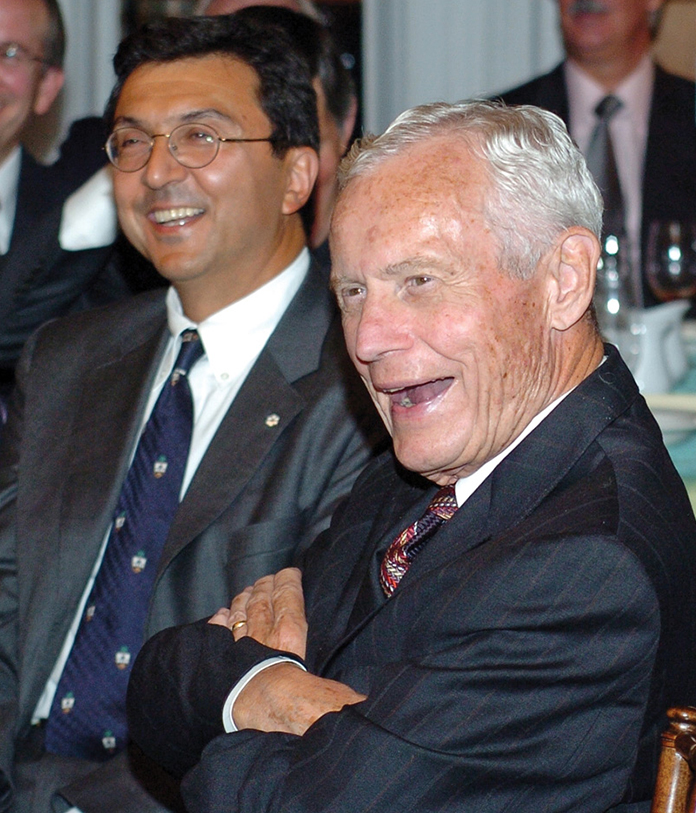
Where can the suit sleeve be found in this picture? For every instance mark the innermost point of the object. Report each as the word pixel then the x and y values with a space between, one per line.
pixel 539 709
pixel 9 624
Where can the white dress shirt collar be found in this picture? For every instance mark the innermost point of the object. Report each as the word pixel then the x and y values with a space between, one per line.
pixel 9 180
pixel 466 486
pixel 585 93
pixel 234 336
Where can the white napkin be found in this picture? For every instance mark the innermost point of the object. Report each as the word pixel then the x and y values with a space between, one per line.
pixel 89 215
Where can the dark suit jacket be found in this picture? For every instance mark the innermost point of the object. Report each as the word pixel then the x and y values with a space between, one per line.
pixel 669 175
pixel 38 279
pixel 524 663
pixel 263 489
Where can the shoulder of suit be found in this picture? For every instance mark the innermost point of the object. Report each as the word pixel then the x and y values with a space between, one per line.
pixel 137 315
pixel 535 90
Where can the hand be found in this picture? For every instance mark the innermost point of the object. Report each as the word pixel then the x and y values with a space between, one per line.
pixel 273 612
pixel 284 698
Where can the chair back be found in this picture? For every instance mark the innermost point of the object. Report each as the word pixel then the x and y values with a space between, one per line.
pixel 675 789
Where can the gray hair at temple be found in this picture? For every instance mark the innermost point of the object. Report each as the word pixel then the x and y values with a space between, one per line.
pixel 540 184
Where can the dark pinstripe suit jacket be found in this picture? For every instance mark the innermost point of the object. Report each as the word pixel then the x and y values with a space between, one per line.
pixel 524 663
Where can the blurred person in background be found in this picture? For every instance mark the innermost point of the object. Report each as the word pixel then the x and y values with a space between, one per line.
pixel 609 79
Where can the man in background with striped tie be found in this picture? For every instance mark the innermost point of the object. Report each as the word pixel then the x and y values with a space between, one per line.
pixel 609 91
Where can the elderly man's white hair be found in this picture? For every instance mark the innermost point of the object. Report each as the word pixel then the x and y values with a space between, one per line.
pixel 540 184
pixel 305 7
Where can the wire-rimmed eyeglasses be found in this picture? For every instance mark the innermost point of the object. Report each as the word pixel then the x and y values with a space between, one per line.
pixel 193 145
pixel 14 56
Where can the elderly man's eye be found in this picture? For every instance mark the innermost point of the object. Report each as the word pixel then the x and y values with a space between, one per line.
pixel 419 281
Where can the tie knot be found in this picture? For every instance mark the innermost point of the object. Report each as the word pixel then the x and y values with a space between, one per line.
pixel 444 503
pixel 607 107
pixel 191 350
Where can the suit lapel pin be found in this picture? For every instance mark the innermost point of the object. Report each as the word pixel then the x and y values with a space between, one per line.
pixel 272 420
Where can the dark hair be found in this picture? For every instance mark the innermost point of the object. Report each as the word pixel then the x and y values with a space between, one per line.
pixel 319 49
pixel 286 94
pixel 54 44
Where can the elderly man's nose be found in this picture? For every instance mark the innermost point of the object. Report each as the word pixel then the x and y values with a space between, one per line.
pixel 382 328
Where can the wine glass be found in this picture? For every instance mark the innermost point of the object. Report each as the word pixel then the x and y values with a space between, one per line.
pixel 671 260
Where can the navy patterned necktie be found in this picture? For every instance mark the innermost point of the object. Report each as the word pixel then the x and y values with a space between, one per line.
pixel 411 540
pixel 88 717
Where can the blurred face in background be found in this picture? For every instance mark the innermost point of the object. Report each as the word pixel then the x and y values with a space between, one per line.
pixel 27 85
pixel 604 30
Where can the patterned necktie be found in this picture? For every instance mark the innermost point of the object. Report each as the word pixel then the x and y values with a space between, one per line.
pixel 409 542
pixel 601 162
pixel 88 718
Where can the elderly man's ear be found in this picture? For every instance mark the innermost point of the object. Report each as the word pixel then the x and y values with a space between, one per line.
pixel 571 276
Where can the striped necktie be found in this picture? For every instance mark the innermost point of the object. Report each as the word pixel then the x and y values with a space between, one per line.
pixel 410 541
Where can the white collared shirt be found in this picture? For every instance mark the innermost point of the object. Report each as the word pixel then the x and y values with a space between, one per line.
pixel 9 180
pixel 465 486
pixel 628 128
pixel 233 338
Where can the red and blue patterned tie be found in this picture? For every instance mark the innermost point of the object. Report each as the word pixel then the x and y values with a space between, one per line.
pixel 409 542
pixel 88 717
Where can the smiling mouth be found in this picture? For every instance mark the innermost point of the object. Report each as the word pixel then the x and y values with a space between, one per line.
pixel 177 216
pixel 409 397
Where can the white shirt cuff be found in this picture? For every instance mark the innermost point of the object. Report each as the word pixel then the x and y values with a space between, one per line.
pixel 228 708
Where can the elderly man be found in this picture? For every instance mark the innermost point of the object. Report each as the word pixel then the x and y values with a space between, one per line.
pixel 496 619
pixel 337 108
pixel 609 82
pixel 164 452
pixel 42 275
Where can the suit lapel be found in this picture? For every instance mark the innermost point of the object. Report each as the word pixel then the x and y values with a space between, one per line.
pixel 244 437
pixel 34 242
pixel 104 433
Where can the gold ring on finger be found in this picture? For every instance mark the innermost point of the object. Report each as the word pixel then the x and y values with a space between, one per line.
pixel 237 625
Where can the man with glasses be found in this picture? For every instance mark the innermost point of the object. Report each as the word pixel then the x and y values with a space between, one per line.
pixel 165 451
pixel 41 273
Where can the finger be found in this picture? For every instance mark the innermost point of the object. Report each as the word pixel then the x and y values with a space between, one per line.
pixel 287 597
pixel 237 618
pixel 239 602
pixel 220 617
pixel 259 609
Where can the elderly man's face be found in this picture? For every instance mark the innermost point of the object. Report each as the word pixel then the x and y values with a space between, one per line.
pixel 455 353
pixel 605 29
pixel 25 87
pixel 222 230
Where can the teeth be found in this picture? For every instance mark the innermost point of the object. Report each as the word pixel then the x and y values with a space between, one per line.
pixel 180 214
pixel 407 402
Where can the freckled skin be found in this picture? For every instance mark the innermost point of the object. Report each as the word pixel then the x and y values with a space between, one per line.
pixel 423 300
